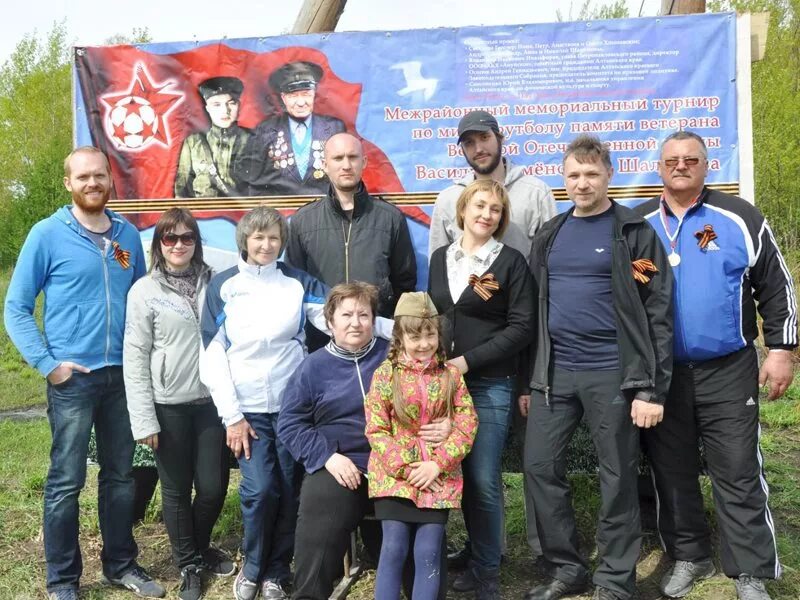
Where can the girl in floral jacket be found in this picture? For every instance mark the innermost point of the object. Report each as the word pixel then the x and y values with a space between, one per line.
pixel 415 483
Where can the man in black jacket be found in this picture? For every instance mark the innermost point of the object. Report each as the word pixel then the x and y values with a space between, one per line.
pixel 352 236
pixel 603 349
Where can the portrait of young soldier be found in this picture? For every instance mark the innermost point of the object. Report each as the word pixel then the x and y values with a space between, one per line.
pixel 284 157
pixel 206 159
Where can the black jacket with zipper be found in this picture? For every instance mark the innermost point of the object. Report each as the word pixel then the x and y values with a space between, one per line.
pixel 643 311
pixel 375 246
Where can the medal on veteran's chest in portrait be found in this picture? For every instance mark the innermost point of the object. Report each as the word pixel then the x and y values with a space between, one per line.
pixel 317 154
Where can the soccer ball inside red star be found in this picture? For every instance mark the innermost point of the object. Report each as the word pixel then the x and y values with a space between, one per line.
pixel 132 122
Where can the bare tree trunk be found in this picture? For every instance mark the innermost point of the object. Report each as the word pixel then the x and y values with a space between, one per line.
pixel 682 7
pixel 317 16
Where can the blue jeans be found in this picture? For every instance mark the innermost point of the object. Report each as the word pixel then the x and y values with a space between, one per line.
pixel 482 504
pixel 86 399
pixel 270 495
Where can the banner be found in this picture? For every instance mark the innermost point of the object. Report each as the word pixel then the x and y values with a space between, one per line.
pixel 629 81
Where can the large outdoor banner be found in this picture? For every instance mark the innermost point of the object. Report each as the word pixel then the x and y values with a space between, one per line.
pixel 213 125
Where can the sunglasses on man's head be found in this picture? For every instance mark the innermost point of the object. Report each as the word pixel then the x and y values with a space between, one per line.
pixel 170 239
pixel 689 161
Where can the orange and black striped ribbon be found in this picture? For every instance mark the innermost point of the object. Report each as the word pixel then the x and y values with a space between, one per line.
pixel 485 285
pixel 641 268
pixel 705 236
pixel 123 256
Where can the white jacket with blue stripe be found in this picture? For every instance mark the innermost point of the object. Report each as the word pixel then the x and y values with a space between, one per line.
pixel 252 328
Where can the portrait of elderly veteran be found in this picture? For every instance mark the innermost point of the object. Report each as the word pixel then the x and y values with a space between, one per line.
pixel 206 158
pixel 284 155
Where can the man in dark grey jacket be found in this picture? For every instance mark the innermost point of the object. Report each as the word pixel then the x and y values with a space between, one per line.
pixel 603 350
pixel 352 236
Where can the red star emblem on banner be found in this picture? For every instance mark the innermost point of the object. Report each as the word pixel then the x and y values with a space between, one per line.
pixel 137 117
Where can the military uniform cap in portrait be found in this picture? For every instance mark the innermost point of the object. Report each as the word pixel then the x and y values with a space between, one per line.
pixel 221 85
pixel 295 76
pixel 286 152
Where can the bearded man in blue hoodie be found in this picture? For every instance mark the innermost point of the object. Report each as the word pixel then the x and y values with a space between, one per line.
pixel 84 258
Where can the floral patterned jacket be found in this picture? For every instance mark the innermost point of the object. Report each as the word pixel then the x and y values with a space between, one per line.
pixel 395 446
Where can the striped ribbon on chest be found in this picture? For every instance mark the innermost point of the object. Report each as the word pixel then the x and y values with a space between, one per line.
pixel 485 285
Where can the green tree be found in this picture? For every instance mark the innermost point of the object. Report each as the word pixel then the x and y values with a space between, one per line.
pixel 776 117
pixel 139 35
pixel 35 125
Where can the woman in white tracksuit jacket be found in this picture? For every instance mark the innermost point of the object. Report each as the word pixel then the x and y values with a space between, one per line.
pixel 252 327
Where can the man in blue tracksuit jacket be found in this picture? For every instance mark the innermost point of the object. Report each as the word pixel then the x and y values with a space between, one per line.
pixel 726 263
pixel 84 258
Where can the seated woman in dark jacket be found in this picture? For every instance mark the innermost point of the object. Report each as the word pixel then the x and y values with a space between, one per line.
pixel 484 290
pixel 322 424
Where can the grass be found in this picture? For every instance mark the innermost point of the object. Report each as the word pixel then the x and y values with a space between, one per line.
pixel 20 386
pixel 24 446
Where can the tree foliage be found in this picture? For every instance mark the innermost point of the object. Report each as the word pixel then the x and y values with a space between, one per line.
pixel 35 126
pixel 776 116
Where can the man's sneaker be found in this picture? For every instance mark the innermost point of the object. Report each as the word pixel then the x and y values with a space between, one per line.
pixel 272 590
pixel 465 582
pixel 138 581
pixel 680 579
pixel 191 584
pixel 243 588
pixel 750 588
pixel 67 593
pixel 216 562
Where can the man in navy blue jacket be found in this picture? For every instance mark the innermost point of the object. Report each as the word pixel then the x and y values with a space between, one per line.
pixel 84 258
pixel 725 260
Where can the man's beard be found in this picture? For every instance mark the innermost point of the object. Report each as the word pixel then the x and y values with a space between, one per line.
pixel 488 169
pixel 90 207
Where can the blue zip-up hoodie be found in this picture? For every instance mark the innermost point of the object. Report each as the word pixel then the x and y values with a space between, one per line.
pixel 84 289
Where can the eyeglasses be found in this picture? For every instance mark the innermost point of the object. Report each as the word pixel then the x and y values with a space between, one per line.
pixel 689 161
pixel 170 239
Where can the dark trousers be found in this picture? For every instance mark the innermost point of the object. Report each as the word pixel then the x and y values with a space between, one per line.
pixel 72 408
pixel 519 426
pixel 550 428
pixel 191 451
pixel 328 513
pixel 268 492
pixel 715 402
